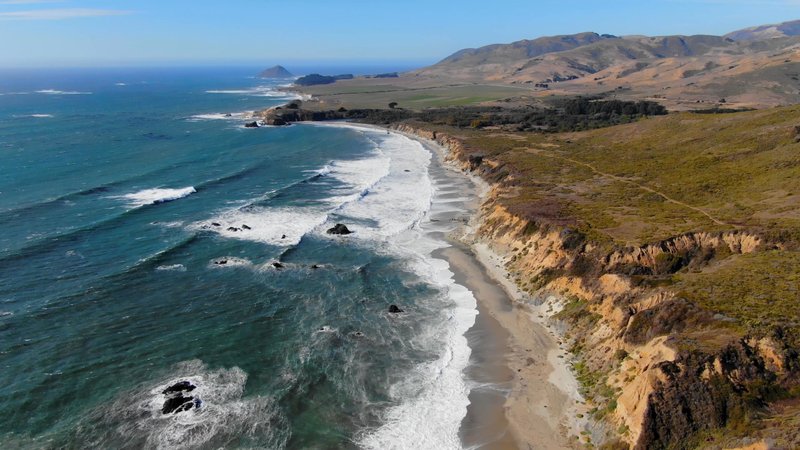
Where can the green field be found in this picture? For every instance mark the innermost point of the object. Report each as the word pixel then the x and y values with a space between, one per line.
pixel 363 94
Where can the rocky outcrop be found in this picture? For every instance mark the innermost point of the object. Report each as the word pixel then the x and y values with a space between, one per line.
pixel 175 400
pixel 339 229
pixel 284 116
pixel 673 254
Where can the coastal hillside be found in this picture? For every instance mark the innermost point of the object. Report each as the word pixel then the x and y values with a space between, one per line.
pixel 754 68
pixel 676 69
pixel 668 248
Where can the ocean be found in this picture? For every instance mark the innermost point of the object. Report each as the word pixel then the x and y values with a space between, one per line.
pixel 149 238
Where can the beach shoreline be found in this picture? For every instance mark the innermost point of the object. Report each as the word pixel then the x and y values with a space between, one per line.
pixel 523 390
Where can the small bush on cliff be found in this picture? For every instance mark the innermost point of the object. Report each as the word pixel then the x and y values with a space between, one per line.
pixel 668 263
pixel 577 313
pixel 615 445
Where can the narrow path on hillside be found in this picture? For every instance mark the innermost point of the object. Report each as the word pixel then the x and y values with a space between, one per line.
pixel 631 182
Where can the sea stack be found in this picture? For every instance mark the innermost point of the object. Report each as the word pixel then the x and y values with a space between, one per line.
pixel 275 72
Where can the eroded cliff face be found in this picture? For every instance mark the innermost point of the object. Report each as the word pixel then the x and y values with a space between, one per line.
pixel 636 342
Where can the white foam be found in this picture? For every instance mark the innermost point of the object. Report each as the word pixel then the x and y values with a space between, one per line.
pixel 172 268
pixel 282 226
pixel 325 170
pixel 221 116
pixel 230 261
pixel 258 91
pixel 169 224
pixel 274 226
pixel 41 116
pixel 224 415
pixel 57 92
pixel 120 84
pixel 157 195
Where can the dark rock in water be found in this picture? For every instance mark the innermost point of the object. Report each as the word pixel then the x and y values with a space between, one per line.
pixel 315 266
pixel 221 262
pixel 339 229
pixel 234 229
pixel 251 125
pixel 245 227
pixel 277 265
pixel 394 309
pixel 216 224
pixel 177 404
pixel 228 115
pixel 181 386
pixel 283 236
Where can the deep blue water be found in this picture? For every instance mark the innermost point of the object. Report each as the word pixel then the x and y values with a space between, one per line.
pixel 125 266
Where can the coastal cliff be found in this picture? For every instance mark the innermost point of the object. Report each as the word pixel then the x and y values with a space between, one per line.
pixel 663 371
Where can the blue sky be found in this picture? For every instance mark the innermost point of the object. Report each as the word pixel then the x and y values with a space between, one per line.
pixel 179 32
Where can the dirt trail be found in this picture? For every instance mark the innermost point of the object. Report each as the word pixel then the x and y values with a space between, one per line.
pixel 594 169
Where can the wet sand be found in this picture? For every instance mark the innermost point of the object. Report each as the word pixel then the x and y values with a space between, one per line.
pixel 521 392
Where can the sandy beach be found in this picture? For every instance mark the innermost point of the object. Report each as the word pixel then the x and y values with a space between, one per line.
pixel 523 394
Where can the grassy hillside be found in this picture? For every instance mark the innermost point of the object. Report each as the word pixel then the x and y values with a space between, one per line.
pixel 661 177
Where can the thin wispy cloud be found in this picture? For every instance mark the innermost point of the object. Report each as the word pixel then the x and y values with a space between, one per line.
pixel 61 14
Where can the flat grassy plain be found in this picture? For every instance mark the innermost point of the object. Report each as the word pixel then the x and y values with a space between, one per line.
pixel 361 93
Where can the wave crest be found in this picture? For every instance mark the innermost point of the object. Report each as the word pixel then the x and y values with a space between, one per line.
pixel 157 195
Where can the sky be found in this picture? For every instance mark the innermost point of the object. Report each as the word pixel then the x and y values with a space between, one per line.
pixel 65 33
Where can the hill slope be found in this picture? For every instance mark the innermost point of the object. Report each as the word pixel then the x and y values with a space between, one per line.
pixel 766 32
pixel 747 69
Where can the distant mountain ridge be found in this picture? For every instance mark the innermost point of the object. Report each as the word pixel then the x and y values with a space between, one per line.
pixel 780 30
pixel 756 66
pixel 523 49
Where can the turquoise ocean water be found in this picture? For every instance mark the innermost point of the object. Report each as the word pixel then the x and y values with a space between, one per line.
pixel 140 229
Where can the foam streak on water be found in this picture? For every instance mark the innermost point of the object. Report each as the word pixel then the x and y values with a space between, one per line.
pixel 157 195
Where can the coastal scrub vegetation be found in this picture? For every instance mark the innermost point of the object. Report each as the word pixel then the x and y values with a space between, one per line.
pixel 562 115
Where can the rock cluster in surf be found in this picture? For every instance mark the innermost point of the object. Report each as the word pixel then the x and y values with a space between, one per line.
pixel 176 401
